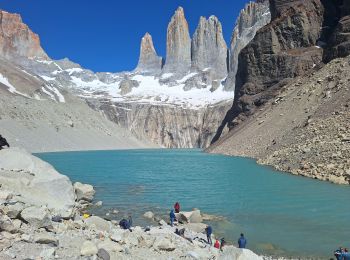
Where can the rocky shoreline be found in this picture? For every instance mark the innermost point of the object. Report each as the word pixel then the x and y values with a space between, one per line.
pixel 41 217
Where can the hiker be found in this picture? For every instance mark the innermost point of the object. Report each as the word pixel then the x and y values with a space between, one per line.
pixel 172 217
pixel 346 254
pixel 242 242
pixel 3 142
pixel 223 242
pixel 339 253
pixel 126 223
pixel 180 232
pixel 217 244
pixel 177 207
pixel 209 231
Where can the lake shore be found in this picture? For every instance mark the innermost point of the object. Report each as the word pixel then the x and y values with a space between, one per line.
pixel 41 218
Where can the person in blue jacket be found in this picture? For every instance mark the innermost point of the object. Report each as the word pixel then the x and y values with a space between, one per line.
pixel 346 254
pixel 209 231
pixel 242 242
pixel 172 217
pixel 339 253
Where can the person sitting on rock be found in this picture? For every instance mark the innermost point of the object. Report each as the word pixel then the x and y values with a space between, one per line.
pixel 209 231
pixel 126 223
pixel 180 232
pixel 172 217
pixel 3 142
pixel 242 242
pixel 177 207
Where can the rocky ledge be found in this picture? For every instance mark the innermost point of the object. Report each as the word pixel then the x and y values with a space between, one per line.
pixel 40 218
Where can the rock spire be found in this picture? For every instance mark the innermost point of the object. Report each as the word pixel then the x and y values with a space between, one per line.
pixel 149 61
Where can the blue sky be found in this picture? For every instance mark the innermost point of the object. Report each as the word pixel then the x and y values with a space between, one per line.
pixel 105 35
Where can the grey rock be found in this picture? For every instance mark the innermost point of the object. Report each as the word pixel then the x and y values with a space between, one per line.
pixel 149 215
pixel 7 225
pixel 178 58
pixel 36 217
pixel 127 85
pixel 98 223
pixel 149 61
pixel 48 253
pixel 84 191
pixel 14 210
pixel 209 49
pixel 103 254
pixel 88 249
pixel 45 238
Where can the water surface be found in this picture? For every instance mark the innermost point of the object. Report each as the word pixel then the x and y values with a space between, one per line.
pixel 280 214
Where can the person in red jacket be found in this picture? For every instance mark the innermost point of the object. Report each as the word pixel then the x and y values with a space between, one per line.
pixel 217 244
pixel 177 207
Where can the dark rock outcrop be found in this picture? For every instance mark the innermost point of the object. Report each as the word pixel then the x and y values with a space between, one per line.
pixel 149 61
pixel 283 49
pixel 16 39
pixel 209 49
pixel 178 58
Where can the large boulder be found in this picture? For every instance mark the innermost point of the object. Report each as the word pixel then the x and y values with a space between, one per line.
pixel 189 216
pixel 88 249
pixel 84 191
pixel 7 225
pixel 231 252
pixel 98 224
pixel 35 181
pixel 14 210
pixel 36 217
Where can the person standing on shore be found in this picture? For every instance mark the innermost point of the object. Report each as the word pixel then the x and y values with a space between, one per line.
pixel 177 207
pixel 242 241
pixel 339 253
pixel 209 231
pixel 172 217
pixel 346 254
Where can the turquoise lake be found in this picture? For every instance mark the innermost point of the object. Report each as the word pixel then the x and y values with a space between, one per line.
pixel 280 214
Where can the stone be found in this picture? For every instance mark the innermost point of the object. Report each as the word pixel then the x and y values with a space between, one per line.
pixel 14 210
pixel 84 191
pixel 36 217
pixel 149 61
pixel 7 225
pixel 99 204
pixel 98 224
pixel 178 54
pixel 196 227
pixel 45 185
pixel 116 237
pixel 48 253
pixel 110 246
pixel 5 195
pixel 149 215
pixel 209 49
pixel 45 238
pixel 163 244
pixel 162 223
pixel 103 254
pixel 88 249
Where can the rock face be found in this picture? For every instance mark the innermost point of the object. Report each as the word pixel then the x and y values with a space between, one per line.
pixel 16 39
pixel 338 22
pixel 254 16
pixel 282 49
pixel 209 48
pixel 149 61
pixel 178 57
pixel 168 126
pixel 37 182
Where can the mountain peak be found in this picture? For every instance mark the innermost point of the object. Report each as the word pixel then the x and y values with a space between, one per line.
pixel 149 61
pixel 17 39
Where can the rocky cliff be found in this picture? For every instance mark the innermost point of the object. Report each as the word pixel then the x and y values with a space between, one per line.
pixel 290 109
pixel 254 16
pixel 16 39
pixel 149 61
pixel 178 56
pixel 209 48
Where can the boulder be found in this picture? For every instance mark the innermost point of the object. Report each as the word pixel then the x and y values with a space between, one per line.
pixel 98 224
pixel 196 227
pixel 163 244
pixel 196 217
pixel 110 246
pixel 7 225
pixel 84 191
pixel 103 254
pixel 45 238
pixel 36 217
pixel 117 237
pixel 149 215
pixel 14 210
pixel 48 253
pixel 88 249
pixel 5 195
pixel 35 181
pixel 189 216
pixel 231 252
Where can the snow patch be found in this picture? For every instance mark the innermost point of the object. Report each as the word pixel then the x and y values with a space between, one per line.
pixel 10 87
pixel 184 79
